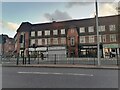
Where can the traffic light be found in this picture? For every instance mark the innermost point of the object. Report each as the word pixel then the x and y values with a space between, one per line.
pixel 101 46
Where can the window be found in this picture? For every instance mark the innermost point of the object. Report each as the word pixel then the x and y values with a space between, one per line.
pixel 101 28
pixel 39 33
pixel 46 41
pixel 62 31
pixel 49 41
pixel 39 41
pixel 82 29
pixel 82 39
pixel 72 41
pixel 112 27
pixel 55 32
pixel 32 33
pixel 32 41
pixel 55 40
pixel 91 39
pixel 63 40
pixel 47 32
pixel 91 29
pixel 104 38
pixel 113 38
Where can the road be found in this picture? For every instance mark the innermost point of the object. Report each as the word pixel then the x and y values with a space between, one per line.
pixel 31 77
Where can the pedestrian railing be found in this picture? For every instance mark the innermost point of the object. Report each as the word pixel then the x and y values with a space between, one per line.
pixel 62 59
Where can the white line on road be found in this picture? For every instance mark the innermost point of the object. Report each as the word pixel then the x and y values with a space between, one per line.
pixel 45 73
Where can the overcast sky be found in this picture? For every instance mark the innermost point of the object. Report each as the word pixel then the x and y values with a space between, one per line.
pixel 14 13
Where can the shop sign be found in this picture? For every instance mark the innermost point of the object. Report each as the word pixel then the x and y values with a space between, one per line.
pixel 110 46
pixel 56 48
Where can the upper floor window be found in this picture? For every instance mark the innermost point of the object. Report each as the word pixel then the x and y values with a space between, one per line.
pixel 91 29
pixel 39 33
pixel 32 41
pixel 91 39
pixel 39 41
pixel 82 29
pixel 72 41
pixel 112 27
pixel 104 38
pixel 32 33
pixel 62 31
pixel 63 40
pixel 101 28
pixel 55 32
pixel 113 38
pixel 82 39
pixel 55 40
pixel 47 32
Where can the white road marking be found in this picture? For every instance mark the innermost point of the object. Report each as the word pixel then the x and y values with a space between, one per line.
pixel 45 73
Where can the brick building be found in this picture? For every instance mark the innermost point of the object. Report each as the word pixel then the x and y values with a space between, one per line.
pixel 73 38
pixel 6 45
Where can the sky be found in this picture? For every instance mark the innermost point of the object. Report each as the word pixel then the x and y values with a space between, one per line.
pixel 13 13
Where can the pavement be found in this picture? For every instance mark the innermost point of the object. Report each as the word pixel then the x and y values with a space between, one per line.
pixel 66 66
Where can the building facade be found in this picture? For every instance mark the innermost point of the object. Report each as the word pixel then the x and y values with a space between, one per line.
pixel 6 45
pixel 74 38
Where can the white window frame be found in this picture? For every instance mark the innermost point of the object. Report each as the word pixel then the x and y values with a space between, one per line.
pixel 39 41
pixel 103 38
pixel 72 41
pixel 46 41
pixel 55 32
pixel 82 29
pixel 101 28
pixel 32 41
pixel 62 31
pixel 63 40
pixel 82 39
pixel 91 29
pixel 39 33
pixel 47 32
pixel 91 39
pixel 112 27
pixel 32 33
pixel 55 41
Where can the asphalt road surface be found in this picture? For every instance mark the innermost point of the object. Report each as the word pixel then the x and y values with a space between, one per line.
pixel 32 77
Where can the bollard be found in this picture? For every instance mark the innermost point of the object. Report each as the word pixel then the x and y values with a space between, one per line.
pixel 55 59
pixel 17 59
pixel 28 59
pixel 25 60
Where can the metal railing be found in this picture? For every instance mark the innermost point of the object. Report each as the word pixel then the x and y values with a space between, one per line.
pixel 62 59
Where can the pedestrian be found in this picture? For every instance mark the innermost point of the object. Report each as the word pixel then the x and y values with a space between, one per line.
pixel 42 56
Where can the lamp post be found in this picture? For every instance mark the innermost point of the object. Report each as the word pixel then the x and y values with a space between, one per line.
pixel 98 44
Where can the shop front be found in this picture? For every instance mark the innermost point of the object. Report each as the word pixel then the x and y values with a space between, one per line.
pixel 111 50
pixel 89 51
